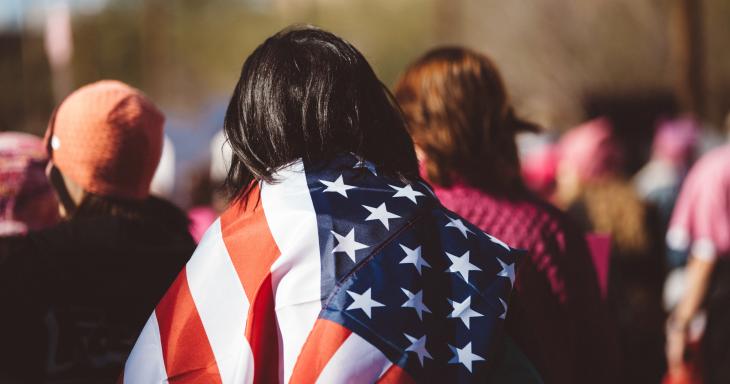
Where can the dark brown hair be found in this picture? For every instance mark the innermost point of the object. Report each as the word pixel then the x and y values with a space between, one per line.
pixel 459 115
pixel 305 93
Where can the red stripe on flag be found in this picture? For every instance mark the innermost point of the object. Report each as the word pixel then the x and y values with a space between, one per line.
pixel 249 242
pixel 322 343
pixel 395 375
pixel 253 250
pixel 185 347
pixel 263 335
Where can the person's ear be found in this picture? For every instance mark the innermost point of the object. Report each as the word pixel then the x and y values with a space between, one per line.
pixel 67 203
pixel 75 191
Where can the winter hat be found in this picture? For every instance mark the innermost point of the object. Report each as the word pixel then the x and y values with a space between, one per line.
pixel 591 150
pixel 107 138
pixel 675 140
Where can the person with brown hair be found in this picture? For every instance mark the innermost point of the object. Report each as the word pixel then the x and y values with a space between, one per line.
pixel 464 127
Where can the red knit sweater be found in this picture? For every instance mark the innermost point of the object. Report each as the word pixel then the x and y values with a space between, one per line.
pixel 556 315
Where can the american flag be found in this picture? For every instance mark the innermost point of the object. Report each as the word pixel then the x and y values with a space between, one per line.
pixel 332 274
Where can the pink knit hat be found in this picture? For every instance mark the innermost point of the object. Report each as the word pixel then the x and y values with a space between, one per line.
pixel 23 185
pixel 591 150
pixel 107 138
pixel 675 140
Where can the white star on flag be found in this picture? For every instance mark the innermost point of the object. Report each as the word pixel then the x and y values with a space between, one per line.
pixel 463 311
pixel 380 213
pixel 461 265
pixel 413 256
pixel 338 186
pixel 458 224
pixel 504 309
pixel 508 271
pixel 415 301
pixel 464 356
pixel 347 244
pixel 497 241
pixel 406 192
pixel 363 301
pixel 419 347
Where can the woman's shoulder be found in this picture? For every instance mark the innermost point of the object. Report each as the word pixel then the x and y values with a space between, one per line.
pixel 540 214
pixel 522 214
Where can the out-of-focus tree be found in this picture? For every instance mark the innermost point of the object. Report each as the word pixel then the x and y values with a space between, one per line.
pixel 182 52
pixel 26 98
pixel 553 53
pixel 716 34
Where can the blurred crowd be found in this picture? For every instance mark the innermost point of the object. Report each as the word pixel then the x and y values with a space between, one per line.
pixel 626 276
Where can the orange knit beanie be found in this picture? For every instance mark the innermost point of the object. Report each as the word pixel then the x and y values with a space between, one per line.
pixel 107 138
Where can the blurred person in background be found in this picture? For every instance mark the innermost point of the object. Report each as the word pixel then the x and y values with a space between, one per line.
pixel 331 263
pixel 700 225
pixel 221 155
pixel 591 186
pixel 539 163
pixel 464 128
pixel 77 294
pixel 209 196
pixel 163 181
pixel 658 182
pixel 27 201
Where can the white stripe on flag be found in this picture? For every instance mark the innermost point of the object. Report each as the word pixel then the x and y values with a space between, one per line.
pixel 356 361
pixel 222 305
pixel 295 275
pixel 386 367
pixel 146 363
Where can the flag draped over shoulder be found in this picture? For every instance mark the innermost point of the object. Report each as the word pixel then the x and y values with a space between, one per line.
pixel 332 274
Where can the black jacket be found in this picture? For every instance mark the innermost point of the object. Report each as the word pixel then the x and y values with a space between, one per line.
pixel 76 296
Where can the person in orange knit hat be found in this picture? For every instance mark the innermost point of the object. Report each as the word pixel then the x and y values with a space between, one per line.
pixel 77 294
pixel 106 139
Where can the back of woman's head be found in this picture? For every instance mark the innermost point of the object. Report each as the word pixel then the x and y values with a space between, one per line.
pixel 459 116
pixel 308 94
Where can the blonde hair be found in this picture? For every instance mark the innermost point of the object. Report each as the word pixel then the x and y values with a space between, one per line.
pixel 614 208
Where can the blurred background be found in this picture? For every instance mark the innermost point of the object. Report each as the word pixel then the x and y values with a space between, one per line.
pixel 563 60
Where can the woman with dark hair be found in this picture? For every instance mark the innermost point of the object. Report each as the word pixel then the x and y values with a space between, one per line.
pixel 334 263
pixel 76 294
pixel 464 127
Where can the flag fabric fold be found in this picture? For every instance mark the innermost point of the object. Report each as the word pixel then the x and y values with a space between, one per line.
pixel 333 273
